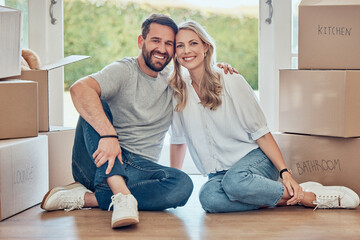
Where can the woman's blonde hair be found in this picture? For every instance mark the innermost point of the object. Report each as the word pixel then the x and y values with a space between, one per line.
pixel 210 85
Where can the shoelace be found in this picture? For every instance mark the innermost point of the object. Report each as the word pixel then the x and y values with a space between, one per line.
pixel 121 200
pixel 327 201
pixel 74 204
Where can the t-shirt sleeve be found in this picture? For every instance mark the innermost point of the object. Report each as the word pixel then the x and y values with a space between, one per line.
pixel 176 131
pixel 246 105
pixel 111 79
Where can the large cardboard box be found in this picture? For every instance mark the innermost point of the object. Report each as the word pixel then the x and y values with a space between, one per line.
pixel 10 42
pixel 61 141
pixel 19 110
pixel 329 34
pixel 320 102
pixel 327 160
pixel 43 77
pixel 23 174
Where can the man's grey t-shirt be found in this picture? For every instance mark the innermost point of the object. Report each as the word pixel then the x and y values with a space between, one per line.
pixel 141 105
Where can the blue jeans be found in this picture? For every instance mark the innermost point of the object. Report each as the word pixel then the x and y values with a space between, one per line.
pixel 155 187
pixel 248 184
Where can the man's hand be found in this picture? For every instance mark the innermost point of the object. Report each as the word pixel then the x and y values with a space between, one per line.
pixel 227 68
pixel 108 149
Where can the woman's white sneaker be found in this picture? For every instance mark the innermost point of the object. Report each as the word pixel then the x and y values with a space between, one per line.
pixel 125 211
pixel 332 196
pixel 69 197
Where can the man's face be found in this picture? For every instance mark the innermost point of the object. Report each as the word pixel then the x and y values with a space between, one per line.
pixel 158 47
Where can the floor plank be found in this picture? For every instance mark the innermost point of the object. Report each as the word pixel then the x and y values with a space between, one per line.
pixel 188 222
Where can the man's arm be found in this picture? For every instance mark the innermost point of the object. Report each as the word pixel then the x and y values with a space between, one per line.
pixel 177 155
pixel 85 94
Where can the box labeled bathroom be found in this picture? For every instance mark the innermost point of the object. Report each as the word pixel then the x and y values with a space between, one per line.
pixel 327 160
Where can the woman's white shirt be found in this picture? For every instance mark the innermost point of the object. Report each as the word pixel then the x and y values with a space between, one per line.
pixel 218 139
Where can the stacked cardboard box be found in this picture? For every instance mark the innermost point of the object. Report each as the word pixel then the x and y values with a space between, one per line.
pixel 29 162
pixel 319 102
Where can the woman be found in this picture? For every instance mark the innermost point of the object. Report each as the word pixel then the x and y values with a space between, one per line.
pixel 228 139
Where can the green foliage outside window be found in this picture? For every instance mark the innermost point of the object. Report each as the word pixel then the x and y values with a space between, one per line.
pixel 108 32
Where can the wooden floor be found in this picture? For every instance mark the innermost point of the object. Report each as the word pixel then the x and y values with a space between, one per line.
pixel 189 222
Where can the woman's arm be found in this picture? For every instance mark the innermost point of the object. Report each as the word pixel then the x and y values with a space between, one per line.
pixel 177 155
pixel 269 146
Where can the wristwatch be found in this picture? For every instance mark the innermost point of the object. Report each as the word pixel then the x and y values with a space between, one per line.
pixel 285 170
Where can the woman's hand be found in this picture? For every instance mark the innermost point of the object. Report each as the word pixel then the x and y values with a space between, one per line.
pixel 227 68
pixel 293 188
pixel 108 149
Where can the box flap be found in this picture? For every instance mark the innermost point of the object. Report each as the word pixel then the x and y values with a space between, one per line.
pixel 8 9
pixel 64 61
pixel 329 2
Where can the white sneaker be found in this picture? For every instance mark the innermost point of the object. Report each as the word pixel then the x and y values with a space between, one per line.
pixel 125 211
pixel 69 197
pixel 332 196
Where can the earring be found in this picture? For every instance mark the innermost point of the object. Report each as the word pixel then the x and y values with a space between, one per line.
pixel 205 54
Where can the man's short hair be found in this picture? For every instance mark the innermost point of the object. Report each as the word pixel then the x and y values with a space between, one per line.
pixel 160 19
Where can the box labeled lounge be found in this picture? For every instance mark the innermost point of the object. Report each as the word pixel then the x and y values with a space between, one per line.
pixel 23 174
pixel 10 42
pixel 329 34
pixel 327 160
pixel 320 102
pixel 43 77
pixel 61 141
pixel 19 109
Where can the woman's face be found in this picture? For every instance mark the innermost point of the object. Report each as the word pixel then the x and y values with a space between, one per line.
pixel 190 49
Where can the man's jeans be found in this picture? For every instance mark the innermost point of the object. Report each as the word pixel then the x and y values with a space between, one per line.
pixel 155 187
pixel 248 184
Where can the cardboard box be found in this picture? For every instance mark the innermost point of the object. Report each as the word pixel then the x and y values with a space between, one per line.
pixel 320 102
pixel 23 174
pixel 43 77
pixel 329 34
pixel 327 160
pixel 19 109
pixel 10 42
pixel 61 141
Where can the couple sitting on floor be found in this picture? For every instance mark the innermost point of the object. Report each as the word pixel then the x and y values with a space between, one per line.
pixel 127 108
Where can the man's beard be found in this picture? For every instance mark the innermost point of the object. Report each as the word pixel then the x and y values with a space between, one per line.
pixel 152 66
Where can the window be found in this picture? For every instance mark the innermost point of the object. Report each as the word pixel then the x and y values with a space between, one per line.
pixel 294 33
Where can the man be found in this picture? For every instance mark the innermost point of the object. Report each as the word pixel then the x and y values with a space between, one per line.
pixel 126 110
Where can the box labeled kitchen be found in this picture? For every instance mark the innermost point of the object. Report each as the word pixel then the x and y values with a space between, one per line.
pixel 329 34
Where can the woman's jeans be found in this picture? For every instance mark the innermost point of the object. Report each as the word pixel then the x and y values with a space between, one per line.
pixel 247 185
pixel 155 187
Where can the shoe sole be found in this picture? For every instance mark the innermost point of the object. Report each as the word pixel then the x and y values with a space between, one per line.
pixel 126 221
pixel 55 190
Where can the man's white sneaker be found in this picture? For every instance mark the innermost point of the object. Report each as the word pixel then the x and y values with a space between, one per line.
pixel 125 211
pixel 69 197
pixel 332 196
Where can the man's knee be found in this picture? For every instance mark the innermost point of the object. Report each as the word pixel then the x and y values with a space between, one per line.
pixel 182 189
